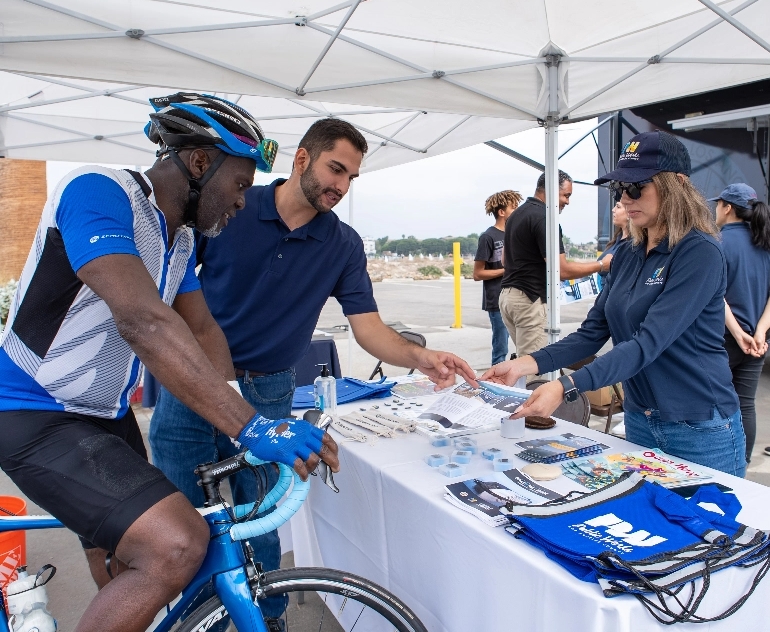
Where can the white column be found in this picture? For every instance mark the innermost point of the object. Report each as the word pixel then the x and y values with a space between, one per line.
pixel 553 327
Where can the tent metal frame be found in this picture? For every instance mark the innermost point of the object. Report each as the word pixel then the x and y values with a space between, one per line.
pixel 551 62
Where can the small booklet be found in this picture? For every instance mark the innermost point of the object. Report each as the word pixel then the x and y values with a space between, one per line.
pixel 467 410
pixel 597 471
pixel 486 495
pixel 561 448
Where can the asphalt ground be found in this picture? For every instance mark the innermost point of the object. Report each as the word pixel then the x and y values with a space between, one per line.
pixel 423 306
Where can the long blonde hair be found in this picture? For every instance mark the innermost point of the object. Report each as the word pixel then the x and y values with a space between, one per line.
pixel 682 209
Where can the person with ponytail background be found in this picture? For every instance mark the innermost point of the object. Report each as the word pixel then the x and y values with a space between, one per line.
pixel 745 224
pixel 622 232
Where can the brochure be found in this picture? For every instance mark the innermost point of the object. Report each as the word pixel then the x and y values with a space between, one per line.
pixel 597 471
pixel 467 410
pixel 561 448
pixel 485 496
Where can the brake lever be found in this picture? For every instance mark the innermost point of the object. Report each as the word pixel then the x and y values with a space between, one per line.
pixel 321 420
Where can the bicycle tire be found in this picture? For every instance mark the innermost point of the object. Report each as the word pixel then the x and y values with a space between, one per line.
pixel 351 587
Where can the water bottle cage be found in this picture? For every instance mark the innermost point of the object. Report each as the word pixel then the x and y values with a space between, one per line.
pixel 40 573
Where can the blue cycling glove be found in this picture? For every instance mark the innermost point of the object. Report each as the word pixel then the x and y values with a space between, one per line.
pixel 298 439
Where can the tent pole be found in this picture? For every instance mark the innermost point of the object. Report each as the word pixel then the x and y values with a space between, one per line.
pixel 350 327
pixel 551 125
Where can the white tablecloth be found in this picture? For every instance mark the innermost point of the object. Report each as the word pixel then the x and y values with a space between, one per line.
pixel 390 523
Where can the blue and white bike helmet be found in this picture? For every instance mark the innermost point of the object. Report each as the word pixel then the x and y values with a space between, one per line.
pixel 190 120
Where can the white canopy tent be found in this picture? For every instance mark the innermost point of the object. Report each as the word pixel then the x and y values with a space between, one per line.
pixel 51 118
pixel 551 60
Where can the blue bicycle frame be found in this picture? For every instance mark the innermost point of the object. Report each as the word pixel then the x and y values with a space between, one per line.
pixel 225 564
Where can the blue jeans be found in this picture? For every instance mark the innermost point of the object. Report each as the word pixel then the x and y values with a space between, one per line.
pixel 180 440
pixel 499 337
pixel 718 442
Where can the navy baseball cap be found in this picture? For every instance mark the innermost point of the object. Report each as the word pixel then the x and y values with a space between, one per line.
pixel 739 194
pixel 647 154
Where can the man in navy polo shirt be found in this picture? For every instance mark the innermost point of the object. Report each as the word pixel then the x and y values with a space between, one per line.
pixel 265 280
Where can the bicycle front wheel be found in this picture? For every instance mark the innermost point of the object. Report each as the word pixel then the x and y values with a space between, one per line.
pixel 356 602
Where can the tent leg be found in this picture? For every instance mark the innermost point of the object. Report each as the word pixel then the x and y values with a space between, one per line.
pixel 350 327
pixel 551 125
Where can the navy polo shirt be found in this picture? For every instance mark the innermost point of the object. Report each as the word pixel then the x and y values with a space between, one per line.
pixel 748 275
pixel 665 313
pixel 266 285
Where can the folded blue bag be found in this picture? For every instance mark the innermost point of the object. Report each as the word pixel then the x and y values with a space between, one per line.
pixel 348 390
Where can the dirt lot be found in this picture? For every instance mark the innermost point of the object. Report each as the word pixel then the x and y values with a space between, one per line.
pixel 380 269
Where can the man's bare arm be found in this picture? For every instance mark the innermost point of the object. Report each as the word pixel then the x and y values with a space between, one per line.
pixel 385 344
pixel 163 341
pixel 480 274
pixel 576 270
pixel 191 306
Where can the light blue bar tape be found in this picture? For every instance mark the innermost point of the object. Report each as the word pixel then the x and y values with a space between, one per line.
pixel 469 446
pixel 452 470
pixel 461 456
pixel 493 453
pixel 434 460
pixel 500 465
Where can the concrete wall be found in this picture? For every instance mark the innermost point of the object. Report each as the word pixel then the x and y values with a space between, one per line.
pixel 22 196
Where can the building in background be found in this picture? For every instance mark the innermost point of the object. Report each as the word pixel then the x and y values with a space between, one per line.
pixel 370 247
pixel 725 131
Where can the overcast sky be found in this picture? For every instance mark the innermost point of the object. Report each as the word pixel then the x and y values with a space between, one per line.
pixel 445 195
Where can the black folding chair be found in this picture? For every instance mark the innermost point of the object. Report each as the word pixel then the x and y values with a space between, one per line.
pixel 411 336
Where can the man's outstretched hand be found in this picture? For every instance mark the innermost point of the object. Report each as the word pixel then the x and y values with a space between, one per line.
pixel 442 367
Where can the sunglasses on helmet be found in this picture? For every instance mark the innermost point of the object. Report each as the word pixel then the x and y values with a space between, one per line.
pixel 632 189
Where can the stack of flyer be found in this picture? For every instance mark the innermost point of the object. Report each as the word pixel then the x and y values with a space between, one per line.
pixel 486 495
pixel 595 472
pixel 467 410
pixel 559 448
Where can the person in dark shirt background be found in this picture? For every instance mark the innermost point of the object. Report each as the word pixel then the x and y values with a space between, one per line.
pixel 745 224
pixel 488 266
pixel 620 222
pixel 523 295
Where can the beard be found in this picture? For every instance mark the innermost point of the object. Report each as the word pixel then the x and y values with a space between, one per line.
pixel 213 231
pixel 313 190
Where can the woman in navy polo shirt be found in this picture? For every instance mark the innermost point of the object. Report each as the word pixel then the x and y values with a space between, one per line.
pixel 663 306
pixel 745 224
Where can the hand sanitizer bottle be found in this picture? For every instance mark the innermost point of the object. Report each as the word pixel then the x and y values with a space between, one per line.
pixel 325 390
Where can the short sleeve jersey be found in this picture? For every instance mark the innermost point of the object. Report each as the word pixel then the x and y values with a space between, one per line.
pixel 490 251
pixel 525 250
pixel 60 349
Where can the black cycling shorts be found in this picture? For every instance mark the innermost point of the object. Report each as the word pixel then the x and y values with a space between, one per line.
pixel 90 473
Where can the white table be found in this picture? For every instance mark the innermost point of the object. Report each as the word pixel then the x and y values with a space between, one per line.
pixel 390 523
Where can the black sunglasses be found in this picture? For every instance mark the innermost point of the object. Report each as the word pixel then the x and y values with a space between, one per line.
pixel 632 189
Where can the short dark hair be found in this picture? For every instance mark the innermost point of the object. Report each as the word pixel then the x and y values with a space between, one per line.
pixel 323 135
pixel 563 177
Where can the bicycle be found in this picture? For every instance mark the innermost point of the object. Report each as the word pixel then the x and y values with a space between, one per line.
pixel 238 581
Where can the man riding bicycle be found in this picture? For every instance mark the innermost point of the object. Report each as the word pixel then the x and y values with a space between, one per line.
pixel 109 284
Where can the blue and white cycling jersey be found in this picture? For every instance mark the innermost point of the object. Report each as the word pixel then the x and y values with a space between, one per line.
pixel 61 349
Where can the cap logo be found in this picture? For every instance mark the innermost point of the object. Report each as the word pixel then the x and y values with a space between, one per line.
pixel 630 147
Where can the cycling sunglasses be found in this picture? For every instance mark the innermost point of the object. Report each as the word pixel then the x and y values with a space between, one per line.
pixel 632 189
